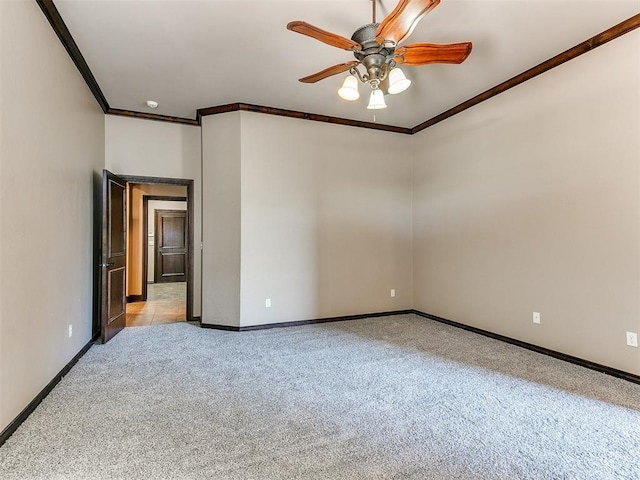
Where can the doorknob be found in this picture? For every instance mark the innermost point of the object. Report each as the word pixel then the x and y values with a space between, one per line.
pixel 107 264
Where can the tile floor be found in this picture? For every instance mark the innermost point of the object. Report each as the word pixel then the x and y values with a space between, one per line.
pixel 166 303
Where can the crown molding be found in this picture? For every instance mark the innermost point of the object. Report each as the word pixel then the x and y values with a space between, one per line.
pixel 51 13
pixel 151 116
pixel 610 34
pixel 246 107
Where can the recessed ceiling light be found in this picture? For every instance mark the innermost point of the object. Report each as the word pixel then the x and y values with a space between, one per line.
pixel 152 104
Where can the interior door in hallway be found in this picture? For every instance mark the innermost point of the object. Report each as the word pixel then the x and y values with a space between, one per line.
pixel 171 246
pixel 113 255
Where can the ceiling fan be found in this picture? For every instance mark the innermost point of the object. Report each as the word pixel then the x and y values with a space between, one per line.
pixel 376 46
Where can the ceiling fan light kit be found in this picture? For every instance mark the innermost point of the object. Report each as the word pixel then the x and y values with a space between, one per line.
pixel 349 89
pixel 375 47
pixel 376 101
pixel 398 83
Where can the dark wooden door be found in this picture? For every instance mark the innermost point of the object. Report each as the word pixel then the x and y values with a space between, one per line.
pixel 171 246
pixel 113 255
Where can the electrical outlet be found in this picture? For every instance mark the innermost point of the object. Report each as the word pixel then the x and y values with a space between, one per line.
pixel 70 331
pixel 536 317
pixel 393 292
pixel 632 339
pixel 267 303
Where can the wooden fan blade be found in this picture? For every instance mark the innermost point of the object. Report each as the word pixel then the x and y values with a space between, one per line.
pixel 399 24
pixel 327 72
pixel 425 53
pixel 329 38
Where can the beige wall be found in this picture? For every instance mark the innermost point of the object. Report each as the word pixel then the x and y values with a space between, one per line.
pixel 221 219
pixel 52 147
pixel 135 240
pixel 325 219
pixel 530 202
pixel 148 148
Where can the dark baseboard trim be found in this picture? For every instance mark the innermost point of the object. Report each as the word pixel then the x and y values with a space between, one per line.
pixel 135 298
pixel 215 326
pixel 22 416
pixel 630 377
pixel 298 323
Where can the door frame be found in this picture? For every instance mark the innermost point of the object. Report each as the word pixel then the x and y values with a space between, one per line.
pixel 190 216
pixel 145 234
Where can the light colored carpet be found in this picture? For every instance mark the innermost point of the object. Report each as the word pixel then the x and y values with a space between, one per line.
pixel 397 397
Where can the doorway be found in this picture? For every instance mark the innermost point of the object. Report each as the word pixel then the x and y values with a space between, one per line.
pixel 151 206
pixel 165 304
pixel 150 302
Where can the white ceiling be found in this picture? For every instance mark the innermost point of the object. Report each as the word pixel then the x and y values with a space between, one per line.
pixel 194 54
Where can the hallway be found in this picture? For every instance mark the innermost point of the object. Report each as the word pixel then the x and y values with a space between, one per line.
pixel 166 303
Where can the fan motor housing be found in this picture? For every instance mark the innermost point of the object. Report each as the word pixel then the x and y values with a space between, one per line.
pixel 373 56
pixel 366 37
